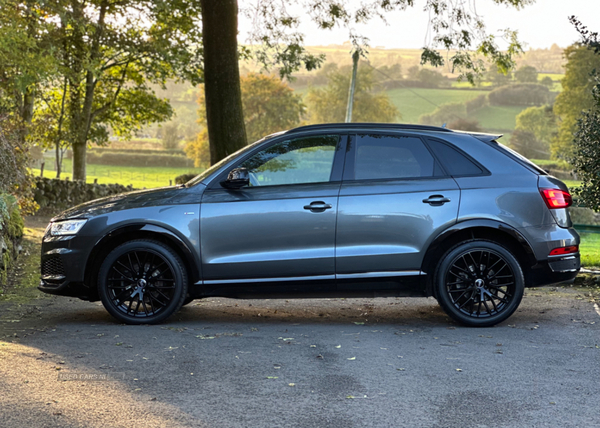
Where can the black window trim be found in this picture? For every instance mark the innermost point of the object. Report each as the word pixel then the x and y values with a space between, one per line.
pixel 484 171
pixel 348 176
pixel 336 169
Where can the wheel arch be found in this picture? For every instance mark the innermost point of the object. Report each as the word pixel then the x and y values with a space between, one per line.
pixel 130 232
pixel 490 230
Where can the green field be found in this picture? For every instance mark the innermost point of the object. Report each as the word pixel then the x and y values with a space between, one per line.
pixel 590 249
pixel 138 177
pixel 414 102
pixel 498 118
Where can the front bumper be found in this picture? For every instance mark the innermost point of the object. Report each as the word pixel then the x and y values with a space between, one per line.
pixel 63 266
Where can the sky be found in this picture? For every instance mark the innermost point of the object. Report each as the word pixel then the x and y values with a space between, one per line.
pixel 539 25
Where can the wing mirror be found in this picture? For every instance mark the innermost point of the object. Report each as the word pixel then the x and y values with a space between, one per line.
pixel 237 178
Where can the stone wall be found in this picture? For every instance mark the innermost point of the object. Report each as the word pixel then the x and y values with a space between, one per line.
pixel 54 194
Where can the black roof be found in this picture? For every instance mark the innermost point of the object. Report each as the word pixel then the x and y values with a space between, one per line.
pixel 354 125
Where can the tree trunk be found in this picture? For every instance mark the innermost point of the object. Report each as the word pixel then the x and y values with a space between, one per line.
pixel 224 114
pixel 79 152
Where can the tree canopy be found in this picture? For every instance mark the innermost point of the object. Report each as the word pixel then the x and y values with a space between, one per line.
pixel 328 104
pixel 269 104
pixel 586 148
pixel 575 97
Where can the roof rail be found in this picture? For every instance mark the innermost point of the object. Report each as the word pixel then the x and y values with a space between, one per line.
pixel 368 125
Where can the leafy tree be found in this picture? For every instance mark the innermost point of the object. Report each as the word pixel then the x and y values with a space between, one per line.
pixel 526 143
pixel 107 54
pixel 462 124
pixel 575 97
pixel 328 105
pixel 547 81
pixel 585 157
pixel 541 122
pixel 498 76
pixel 526 74
pixel 269 105
pixel 170 135
pixel 444 114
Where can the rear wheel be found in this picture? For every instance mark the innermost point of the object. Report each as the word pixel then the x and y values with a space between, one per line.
pixel 479 283
pixel 142 282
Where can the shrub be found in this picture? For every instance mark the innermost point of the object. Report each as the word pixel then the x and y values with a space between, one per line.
pixel 139 159
pixel 444 114
pixel 469 125
pixel 526 94
pixel 11 232
pixel 184 178
pixel 476 103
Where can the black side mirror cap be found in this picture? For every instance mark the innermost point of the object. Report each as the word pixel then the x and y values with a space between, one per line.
pixel 236 179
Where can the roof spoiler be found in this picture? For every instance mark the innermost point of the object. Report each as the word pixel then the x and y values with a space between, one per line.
pixel 481 136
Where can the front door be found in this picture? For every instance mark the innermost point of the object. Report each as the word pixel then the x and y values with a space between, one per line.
pixel 280 228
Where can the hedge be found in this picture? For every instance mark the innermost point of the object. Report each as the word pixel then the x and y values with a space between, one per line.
pixel 11 233
pixel 62 194
pixel 526 94
pixel 139 159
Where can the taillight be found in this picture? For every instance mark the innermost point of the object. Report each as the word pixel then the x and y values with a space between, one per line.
pixel 556 198
pixel 561 251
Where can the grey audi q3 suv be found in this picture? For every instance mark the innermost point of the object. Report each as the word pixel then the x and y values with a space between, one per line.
pixel 354 210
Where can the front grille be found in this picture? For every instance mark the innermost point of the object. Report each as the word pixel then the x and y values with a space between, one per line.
pixel 53 266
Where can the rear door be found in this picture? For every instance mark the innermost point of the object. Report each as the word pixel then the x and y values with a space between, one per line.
pixel 395 197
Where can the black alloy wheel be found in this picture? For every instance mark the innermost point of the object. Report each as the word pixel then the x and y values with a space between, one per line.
pixel 142 282
pixel 479 283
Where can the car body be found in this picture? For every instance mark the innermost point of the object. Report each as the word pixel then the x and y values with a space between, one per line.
pixel 357 210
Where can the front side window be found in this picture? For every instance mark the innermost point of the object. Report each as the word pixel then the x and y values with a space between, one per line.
pixel 391 157
pixel 298 161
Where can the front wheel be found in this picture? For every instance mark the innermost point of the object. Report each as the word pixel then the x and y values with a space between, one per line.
pixel 142 282
pixel 479 283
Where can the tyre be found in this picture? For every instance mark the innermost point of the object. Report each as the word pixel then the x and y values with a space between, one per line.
pixel 479 283
pixel 142 282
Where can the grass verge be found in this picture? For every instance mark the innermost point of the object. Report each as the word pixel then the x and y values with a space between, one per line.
pixel 590 250
pixel 139 177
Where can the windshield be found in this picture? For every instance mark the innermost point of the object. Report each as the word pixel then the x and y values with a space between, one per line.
pixel 207 172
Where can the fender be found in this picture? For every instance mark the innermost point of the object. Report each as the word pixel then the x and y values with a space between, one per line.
pixel 166 232
pixel 477 228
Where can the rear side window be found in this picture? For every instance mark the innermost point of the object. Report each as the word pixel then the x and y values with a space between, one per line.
pixel 454 161
pixel 389 157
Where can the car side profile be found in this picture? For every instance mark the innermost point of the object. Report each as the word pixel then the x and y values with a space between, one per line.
pixel 346 210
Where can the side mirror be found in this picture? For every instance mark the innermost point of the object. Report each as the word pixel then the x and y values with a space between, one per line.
pixel 237 178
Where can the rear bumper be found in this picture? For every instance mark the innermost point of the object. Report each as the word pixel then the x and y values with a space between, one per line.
pixel 555 271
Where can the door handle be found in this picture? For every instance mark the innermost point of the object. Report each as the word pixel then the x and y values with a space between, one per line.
pixel 317 206
pixel 436 200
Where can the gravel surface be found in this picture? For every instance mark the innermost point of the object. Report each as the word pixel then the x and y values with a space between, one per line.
pixel 302 363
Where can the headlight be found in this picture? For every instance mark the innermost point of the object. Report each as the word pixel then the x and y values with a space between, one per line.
pixel 67 227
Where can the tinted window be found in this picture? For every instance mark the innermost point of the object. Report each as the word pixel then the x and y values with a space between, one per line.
pixel 455 162
pixel 304 160
pixel 388 156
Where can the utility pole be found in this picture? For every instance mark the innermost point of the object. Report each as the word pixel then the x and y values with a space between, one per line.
pixel 355 57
